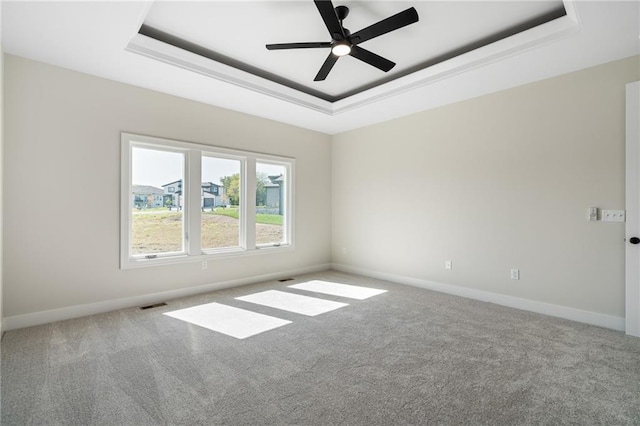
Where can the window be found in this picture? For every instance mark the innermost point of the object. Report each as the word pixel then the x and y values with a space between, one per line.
pixel 155 232
pixel 271 203
pixel 202 203
pixel 220 218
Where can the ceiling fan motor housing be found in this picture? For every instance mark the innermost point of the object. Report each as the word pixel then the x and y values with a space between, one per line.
pixel 342 12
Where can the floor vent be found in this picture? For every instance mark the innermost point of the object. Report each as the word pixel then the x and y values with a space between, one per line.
pixel 155 305
pixel 285 279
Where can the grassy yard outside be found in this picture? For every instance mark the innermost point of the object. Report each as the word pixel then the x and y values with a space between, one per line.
pixel 272 219
pixel 160 230
pixel 151 209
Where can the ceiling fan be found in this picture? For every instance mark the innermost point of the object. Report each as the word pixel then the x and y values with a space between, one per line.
pixel 344 43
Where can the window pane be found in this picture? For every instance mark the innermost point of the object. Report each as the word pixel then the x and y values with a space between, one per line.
pixel 270 203
pixel 157 217
pixel 220 202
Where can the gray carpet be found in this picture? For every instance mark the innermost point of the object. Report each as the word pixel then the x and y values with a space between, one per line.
pixel 408 356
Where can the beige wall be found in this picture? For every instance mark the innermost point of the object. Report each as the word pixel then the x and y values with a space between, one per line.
pixel 498 182
pixel 62 174
pixel 1 161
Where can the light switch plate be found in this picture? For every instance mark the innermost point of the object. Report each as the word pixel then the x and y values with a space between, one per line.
pixel 613 215
pixel 515 274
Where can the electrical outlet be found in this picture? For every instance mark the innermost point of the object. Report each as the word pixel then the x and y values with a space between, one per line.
pixel 447 264
pixel 613 215
pixel 344 250
pixel 204 264
pixel 515 274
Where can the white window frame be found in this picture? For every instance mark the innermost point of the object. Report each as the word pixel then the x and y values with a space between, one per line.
pixel 288 200
pixel 191 191
pixel 242 210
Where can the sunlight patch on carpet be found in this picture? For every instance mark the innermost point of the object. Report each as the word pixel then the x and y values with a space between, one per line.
pixel 342 290
pixel 228 320
pixel 305 305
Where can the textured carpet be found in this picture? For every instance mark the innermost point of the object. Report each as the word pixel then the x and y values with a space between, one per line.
pixel 407 356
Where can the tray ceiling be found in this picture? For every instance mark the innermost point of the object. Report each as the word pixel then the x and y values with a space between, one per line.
pixel 219 31
pixel 456 51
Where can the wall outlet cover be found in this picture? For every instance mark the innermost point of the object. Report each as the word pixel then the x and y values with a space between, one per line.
pixel 613 215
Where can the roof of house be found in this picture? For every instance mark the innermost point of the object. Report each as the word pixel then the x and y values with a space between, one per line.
pixel 202 184
pixel 146 189
pixel 275 181
pixel 171 183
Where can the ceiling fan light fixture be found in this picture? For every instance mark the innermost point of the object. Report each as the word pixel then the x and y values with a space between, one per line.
pixel 341 48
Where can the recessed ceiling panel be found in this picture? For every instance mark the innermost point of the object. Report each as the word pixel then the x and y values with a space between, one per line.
pixel 235 34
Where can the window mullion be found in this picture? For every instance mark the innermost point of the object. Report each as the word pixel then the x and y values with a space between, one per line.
pixel 249 203
pixel 193 200
pixel 288 206
pixel 126 205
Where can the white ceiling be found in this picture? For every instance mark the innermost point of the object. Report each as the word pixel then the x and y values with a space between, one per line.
pixel 100 38
pixel 443 27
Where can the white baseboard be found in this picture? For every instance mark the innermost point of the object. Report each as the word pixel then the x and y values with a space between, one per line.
pixel 43 317
pixel 588 317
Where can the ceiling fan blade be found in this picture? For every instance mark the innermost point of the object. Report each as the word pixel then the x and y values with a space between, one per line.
pixel 280 46
pixel 371 58
pixel 392 23
pixel 328 13
pixel 326 67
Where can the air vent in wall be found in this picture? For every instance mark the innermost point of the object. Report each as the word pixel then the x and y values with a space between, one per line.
pixel 155 305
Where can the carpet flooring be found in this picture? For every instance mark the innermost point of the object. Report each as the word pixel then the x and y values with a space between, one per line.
pixel 406 356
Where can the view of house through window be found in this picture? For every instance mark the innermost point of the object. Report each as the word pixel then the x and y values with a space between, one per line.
pixel 157 219
pixel 183 200
pixel 220 202
pixel 270 203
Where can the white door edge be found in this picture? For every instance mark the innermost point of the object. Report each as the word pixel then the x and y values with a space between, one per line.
pixel 632 192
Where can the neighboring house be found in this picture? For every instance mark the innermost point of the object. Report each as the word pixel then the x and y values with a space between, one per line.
pixel 212 194
pixel 274 192
pixel 173 194
pixel 147 197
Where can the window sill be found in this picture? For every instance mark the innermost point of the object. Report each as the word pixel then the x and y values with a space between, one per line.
pixel 222 254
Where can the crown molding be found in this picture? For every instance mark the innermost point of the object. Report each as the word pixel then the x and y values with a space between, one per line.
pixel 538 36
